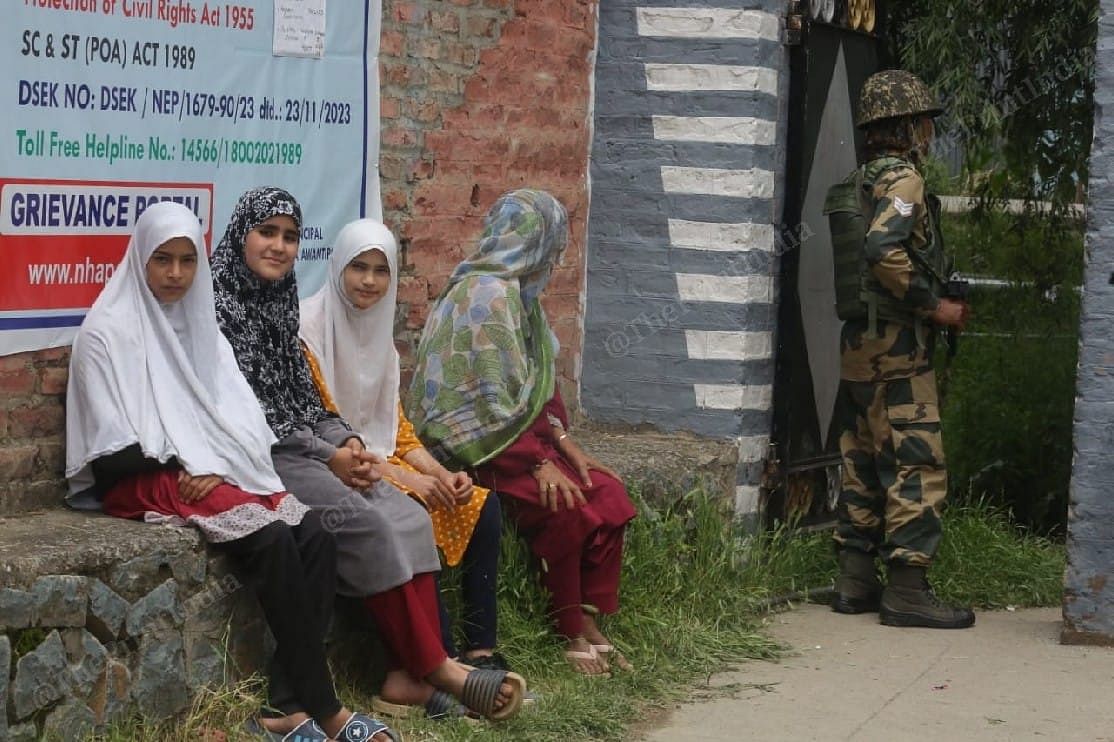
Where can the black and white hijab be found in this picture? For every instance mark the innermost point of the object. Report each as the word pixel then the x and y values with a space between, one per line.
pixel 260 318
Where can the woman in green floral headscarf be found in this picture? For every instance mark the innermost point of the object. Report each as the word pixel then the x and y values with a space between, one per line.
pixel 484 397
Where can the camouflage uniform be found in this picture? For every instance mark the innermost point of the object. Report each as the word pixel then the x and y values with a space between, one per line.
pixel 894 478
pixel 890 274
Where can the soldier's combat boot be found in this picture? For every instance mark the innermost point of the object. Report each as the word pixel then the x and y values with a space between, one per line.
pixel 857 589
pixel 908 600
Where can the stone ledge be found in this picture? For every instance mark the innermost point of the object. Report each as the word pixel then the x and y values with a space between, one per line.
pixel 103 618
pixel 60 542
pixel 661 464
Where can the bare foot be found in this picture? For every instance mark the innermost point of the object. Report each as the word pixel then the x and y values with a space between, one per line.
pixel 284 724
pixel 593 634
pixel 472 654
pixel 402 688
pixel 584 659
pixel 450 677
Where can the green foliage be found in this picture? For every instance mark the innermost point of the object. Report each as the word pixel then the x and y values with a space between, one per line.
pixel 1017 81
pixel 1008 396
pixel 987 561
pixel 25 640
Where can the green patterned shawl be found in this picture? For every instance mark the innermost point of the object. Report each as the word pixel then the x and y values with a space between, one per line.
pixel 486 357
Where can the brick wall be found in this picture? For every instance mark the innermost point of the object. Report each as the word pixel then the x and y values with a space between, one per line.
pixel 32 422
pixel 479 97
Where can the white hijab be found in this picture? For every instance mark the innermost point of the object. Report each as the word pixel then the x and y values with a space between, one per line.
pixel 162 376
pixel 356 348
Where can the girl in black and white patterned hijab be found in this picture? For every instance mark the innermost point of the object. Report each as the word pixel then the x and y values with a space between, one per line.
pixel 257 306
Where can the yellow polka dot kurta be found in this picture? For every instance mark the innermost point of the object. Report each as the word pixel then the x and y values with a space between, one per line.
pixel 452 529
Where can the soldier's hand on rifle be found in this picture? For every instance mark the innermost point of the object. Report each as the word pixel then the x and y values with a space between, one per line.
pixel 951 313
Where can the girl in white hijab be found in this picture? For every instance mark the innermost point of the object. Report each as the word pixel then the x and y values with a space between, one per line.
pixel 162 426
pixel 347 328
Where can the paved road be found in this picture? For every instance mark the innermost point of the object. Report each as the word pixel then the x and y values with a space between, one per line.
pixel 1008 678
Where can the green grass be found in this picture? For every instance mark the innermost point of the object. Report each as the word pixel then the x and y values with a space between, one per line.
pixel 987 561
pixel 694 590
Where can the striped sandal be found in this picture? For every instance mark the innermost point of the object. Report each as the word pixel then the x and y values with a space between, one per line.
pixel 481 690
pixel 440 706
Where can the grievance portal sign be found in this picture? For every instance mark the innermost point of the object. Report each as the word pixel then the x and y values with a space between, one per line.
pixel 110 106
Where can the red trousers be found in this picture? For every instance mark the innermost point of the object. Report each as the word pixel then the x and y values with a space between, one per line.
pixel 409 622
pixel 580 549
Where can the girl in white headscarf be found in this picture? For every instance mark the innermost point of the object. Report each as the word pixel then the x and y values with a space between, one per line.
pixel 162 426
pixel 348 330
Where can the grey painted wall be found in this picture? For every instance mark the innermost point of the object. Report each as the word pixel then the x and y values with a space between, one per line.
pixel 687 175
pixel 1089 582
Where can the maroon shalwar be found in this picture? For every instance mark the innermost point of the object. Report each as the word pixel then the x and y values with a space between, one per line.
pixel 581 549
pixel 410 625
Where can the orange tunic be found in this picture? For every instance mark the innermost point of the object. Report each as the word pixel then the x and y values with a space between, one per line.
pixel 452 529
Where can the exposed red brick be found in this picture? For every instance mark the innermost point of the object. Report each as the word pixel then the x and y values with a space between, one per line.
pixel 394 200
pixel 443 81
pixel 503 103
pixel 15 362
pixel 480 26
pixel 423 110
pixel 17 462
pixel 401 74
pixel 422 170
pixel 52 458
pixel 36 421
pixel 392 43
pixel 413 289
pixel 577 14
pixel 389 108
pixel 408 12
pixel 397 136
pixel 393 167
pixel 19 380
pixel 445 22
pixel 428 49
pixel 53 380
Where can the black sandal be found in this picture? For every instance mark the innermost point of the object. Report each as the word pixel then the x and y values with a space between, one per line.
pixel 440 706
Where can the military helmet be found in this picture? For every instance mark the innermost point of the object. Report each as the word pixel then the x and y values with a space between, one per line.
pixel 893 93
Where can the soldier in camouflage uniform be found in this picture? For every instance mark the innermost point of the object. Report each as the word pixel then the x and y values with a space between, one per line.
pixel 894 477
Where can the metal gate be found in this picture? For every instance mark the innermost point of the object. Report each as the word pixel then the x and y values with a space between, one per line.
pixel 827 70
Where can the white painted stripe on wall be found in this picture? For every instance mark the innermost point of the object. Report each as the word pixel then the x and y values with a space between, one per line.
pixel 734 396
pixel 708 23
pixel 730 289
pixel 681 77
pixel 721 236
pixel 747 499
pixel 728 345
pixel 718 129
pixel 752 448
pixel 752 183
